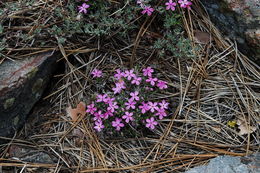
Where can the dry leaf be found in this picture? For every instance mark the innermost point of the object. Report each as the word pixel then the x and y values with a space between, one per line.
pixel 201 37
pixel 245 128
pixel 79 110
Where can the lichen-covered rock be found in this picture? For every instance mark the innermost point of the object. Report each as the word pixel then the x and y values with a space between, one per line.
pixel 240 21
pixel 21 85
pixel 228 164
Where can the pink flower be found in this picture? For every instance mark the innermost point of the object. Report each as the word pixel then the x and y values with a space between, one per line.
pixel 129 74
pixel 148 10
pixel 119 74
pixel 162 84
pixel 99 126
pixel 109 100
pixel 170 5
pixel 134 95
pixel 91 108
pixel 83 8
pixel 128 117
pixel 112 107
pixel 136 80
pixel 102 98
pixel 96 73
pixel 151 80
pixel 107 114
pixel 130 104
pixel 185 4
pixel 148 71
pixel 144 107
pixel 117 124
pixel 153 106
pixel 164 104
pixel 119 87
pixel 161 113
pixel 98 115
pixel 150 123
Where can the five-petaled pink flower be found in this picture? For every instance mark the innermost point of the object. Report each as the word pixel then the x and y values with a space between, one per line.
pixel 185 4
pixel 129 74
pixel 128 117
pixel 170 5
pixel 136 80
pixel 164 104
pixel 148 71
pixel 134 95
pixel 112 107
pixel 153 106
pixel 162 84
pixel 149 10
pixel 101 98
pixel 91 108
pixel 144 107
pixel 119 74
pixel 151 80
pixel 161 113
pixel 119 86
pixel 130 104
pixel 151 123
pixel 98 115
pixel 99 125
pixel 117 124
pixel 96 73
pixel 83 8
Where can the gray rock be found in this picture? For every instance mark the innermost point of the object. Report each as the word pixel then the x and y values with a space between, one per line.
pixel 21 85
pixel 228 164
pixel 240 21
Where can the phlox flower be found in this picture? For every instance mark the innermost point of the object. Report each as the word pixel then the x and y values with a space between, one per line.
pixel 96 73
pixel 101 98
pixel 83 8
pixel 91 108
pixel 112 107
pixel 148 71
pixel 109 100
pixel 98 115
pixel 144 107
pixel 129 74
pixel 162 84
pixel 128 117
pixel 117 124
pixel 136 80
pixel 107 114
pixel 119 86
pixel 151 80
pixel 170 5
pixel 161 113
pixel 130 104
pixel 151 123
pixel 99 126
pixel 119 74
pixel 134 95
pixel 185 4
pixel 148 10
pixel 153 106
pixel 164 104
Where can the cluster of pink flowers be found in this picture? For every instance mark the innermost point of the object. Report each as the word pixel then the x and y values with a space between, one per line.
pixel 170 5
pixel 128 103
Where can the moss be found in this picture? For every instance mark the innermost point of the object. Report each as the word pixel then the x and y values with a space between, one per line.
pixel 16 120
pixel 9 103
pixel 37 86
pixel 32 73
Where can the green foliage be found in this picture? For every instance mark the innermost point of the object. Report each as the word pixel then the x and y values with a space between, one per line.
pixel 173 42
